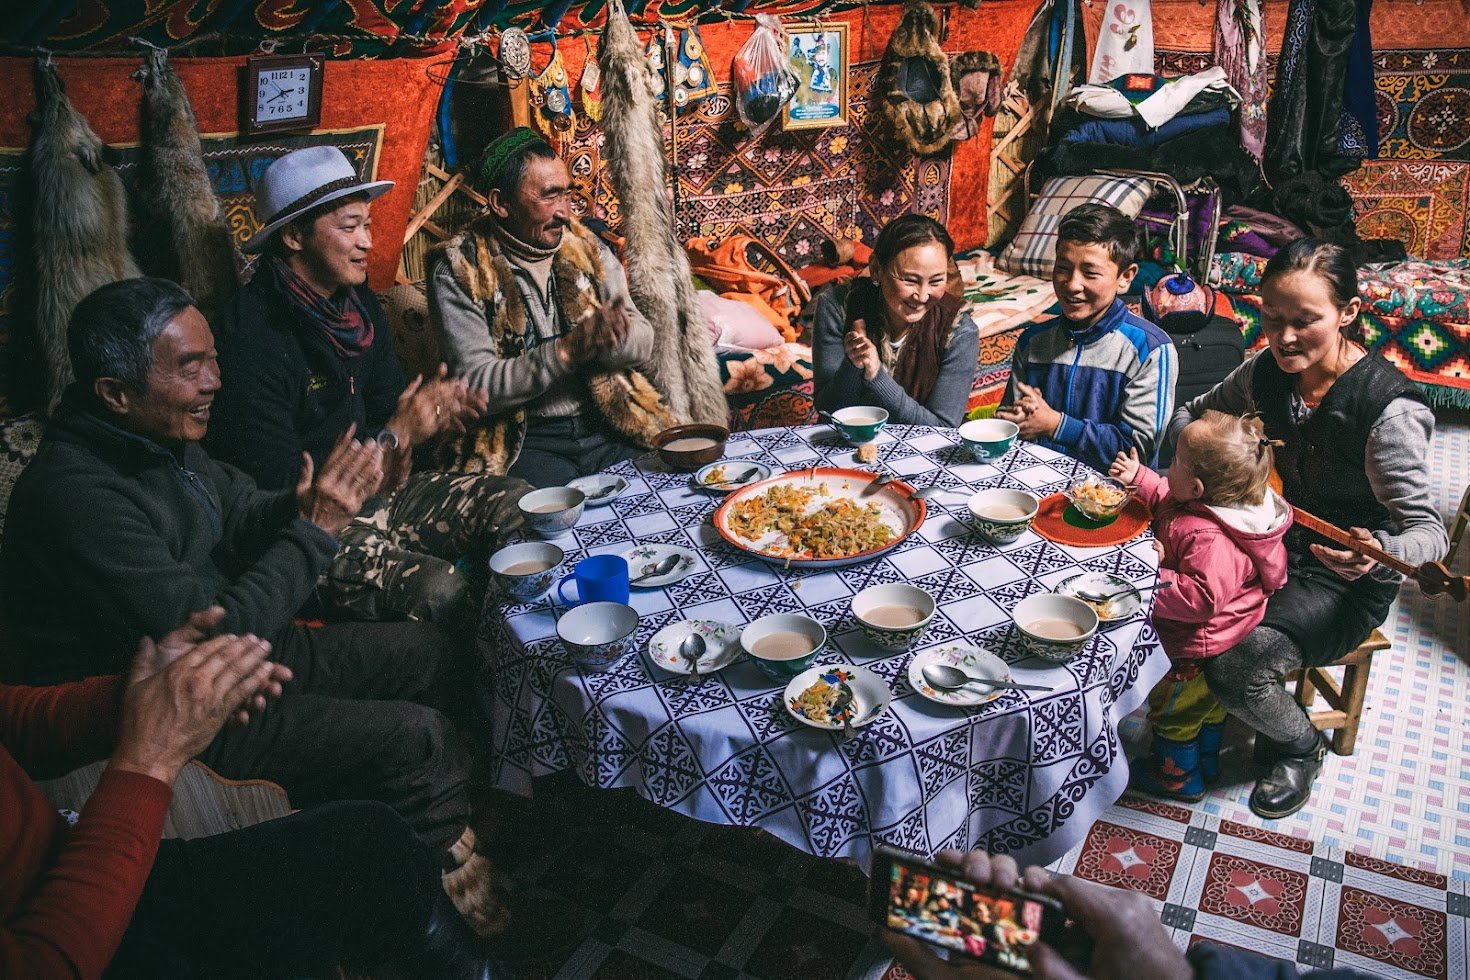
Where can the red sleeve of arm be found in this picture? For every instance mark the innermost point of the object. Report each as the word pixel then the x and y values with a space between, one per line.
pixel 53 730
pixel 72 919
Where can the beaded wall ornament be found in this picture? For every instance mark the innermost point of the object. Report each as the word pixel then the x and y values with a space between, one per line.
pixel 553 89
pixel 591 84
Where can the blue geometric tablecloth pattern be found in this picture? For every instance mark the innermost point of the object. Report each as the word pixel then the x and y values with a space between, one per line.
pixel 1025 774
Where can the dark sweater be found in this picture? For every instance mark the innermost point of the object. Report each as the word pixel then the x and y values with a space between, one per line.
pixel 66 896
pixel 285 387
pixel 111 537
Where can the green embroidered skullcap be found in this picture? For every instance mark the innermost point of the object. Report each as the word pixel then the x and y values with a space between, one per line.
pixel 504 149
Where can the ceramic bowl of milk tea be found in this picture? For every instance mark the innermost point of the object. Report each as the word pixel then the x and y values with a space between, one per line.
pixel 783 645
pixel 552 511
pixel 598 634
pixel 860 423
pixel 686 448
pixel 527 570
pixel 988 439
pixel 1055 627
pixel 893 616
pixel 1002 516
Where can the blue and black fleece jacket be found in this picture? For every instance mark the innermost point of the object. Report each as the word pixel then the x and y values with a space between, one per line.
pixel 1113 383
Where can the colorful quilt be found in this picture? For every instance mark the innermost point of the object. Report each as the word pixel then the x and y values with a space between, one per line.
pixel 1434 353
pixel 768 388
pixel 1001 305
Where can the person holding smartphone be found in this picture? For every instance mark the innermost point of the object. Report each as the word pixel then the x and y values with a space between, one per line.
pixel 1127 941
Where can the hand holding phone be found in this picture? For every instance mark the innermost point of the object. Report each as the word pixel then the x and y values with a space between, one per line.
pixel 1115 933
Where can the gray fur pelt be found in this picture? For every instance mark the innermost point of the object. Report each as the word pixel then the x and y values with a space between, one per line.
pixel 79 221
pixel 683 366
pixel 184 236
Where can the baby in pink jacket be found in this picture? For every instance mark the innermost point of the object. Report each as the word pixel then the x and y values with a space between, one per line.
pixel 1218 528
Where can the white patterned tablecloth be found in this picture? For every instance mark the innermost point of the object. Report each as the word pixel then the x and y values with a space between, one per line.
pixel 1025 774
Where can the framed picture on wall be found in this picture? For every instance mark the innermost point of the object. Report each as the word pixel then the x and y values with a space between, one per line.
pixel 819 59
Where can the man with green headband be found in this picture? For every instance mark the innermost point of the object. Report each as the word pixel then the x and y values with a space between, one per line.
pixel 533 311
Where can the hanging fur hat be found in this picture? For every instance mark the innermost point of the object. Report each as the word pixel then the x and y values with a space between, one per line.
pixel 976 77
pixel 916 97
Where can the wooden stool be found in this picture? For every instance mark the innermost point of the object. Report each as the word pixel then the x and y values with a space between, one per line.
pixel 1344 703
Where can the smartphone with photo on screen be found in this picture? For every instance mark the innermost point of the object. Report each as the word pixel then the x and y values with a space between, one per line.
pixel 991 925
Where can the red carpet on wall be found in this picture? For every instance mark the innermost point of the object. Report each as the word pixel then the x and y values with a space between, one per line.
pixel 841 175
pixel 378 112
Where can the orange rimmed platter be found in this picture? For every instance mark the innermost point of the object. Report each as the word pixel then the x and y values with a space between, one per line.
pixel 896 509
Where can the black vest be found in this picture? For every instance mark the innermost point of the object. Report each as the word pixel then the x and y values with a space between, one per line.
pixel 1322 465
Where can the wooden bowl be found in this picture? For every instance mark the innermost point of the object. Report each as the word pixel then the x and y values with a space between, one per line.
pixel 690 458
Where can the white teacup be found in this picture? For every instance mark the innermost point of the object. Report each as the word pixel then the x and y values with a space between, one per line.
pixel 598 634
pixel 553 510
pixel 527 570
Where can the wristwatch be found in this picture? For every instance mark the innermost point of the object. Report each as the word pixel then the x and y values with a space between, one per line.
pixel 388 440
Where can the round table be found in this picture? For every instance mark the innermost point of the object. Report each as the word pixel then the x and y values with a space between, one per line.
pixel 1025 774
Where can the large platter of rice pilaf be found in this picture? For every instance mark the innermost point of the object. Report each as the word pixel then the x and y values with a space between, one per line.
pixel 819 518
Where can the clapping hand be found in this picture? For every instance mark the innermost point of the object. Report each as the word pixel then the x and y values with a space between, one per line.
pixel 181 691
pixel 601 331
pixel 1031 413
pixel 199 627
pixel 1125 466
pixel 860 350
pixel 351 473
pixel 428 408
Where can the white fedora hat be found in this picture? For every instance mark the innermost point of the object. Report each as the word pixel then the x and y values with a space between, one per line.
pixel 299 181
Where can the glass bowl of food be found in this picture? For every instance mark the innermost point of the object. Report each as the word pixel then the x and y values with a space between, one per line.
pixel 1099 498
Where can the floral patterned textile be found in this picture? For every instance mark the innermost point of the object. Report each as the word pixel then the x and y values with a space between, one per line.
pixel 768 388
pixel 1438 291
pixel 1236 272
pixel 19 438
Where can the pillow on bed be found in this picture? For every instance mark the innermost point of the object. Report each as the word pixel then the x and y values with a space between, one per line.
pixel 1033 251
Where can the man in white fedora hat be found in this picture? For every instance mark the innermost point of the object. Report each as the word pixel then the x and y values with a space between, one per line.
pixel 307 354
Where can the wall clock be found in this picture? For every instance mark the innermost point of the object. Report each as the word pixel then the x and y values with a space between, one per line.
pixel 282 93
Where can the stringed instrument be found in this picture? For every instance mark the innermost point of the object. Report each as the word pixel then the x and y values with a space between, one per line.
pixel 1432 576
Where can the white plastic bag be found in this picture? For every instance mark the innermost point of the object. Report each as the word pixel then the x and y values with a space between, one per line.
pixel 764 81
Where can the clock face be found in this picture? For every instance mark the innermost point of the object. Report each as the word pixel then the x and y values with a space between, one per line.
pixel 282 94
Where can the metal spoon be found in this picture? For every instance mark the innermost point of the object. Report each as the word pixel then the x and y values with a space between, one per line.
pixel 1092 596
pixel 653 571
pixel 952 678
pixel 692 649
pixel 843 707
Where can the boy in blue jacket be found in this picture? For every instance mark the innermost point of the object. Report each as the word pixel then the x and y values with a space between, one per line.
pixel 1097 380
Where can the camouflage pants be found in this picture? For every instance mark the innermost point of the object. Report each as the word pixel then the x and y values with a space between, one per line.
pixel 397 557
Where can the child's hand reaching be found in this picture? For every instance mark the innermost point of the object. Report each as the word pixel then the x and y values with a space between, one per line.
pixel 1125 466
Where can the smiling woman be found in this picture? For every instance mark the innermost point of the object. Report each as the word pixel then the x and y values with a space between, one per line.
pixel 898 339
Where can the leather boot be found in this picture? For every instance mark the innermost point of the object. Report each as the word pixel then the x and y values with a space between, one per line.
pixel 1210 737
pixel 449 949
pixel 1172 772
pixel 1287 787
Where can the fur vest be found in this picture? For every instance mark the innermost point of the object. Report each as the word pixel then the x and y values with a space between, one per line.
pixel 625 397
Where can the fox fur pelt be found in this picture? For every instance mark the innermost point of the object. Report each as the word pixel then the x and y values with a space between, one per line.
pixel 913 62
pixel 182 231
pixel 79 221
pixel 683 366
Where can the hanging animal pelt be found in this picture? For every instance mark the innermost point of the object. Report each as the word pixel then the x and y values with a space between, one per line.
pixel 183 233
pixel 79 221
pixel 683 366
pixel 916 98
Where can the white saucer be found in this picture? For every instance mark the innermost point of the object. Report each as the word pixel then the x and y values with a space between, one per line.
pixel 589 485
pixel 870 696
pixel 973 660
pixel 737 466
pixel 721 645
pixel 643 555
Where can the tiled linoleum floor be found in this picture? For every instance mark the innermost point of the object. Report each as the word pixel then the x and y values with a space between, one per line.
pixel 1404 795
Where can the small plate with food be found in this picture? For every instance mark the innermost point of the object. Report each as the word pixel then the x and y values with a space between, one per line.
pixel 822 517
pixel 1112 597
pixel 822 695
pixel 979 663
pixel 729 475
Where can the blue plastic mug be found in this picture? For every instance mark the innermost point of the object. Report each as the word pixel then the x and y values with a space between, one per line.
pixel 600 578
